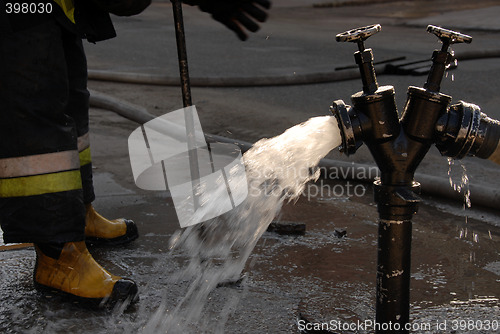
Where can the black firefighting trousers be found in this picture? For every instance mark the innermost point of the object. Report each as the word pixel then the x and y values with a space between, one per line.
pixel 45 166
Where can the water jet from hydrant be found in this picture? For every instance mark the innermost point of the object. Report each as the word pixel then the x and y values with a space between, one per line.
pixel 277 170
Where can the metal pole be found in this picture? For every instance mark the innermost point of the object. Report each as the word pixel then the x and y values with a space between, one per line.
pixel 393 276
pixel 396 207
pixel 180 36
pixel 186 96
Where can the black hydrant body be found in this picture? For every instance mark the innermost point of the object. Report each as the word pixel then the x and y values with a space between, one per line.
pixel 398 146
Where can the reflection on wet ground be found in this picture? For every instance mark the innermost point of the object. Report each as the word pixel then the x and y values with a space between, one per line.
pixel 323 274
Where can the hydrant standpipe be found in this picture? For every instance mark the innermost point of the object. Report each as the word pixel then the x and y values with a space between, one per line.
pixel 398 146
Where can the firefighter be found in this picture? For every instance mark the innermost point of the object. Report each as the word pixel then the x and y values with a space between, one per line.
pixel 46 189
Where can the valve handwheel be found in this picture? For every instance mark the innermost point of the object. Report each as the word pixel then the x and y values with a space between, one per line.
pixel 449 37
pixel 358 35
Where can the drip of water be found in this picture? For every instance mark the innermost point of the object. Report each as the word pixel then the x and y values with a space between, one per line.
pixel 456 64
pixel 461 186
pixel 277 170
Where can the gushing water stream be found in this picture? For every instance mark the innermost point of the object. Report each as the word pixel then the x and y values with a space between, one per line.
pixel 277 170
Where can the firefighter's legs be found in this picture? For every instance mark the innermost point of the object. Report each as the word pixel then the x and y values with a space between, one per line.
pixel 98 230
pixel 43 191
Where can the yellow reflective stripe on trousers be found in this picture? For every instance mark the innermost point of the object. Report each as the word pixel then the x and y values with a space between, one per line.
pixel 68 7
pixel 39 164
pixel 84 149
pixel 40 184
pixel 85 157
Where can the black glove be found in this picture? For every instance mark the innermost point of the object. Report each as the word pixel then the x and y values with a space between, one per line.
pixel 235 14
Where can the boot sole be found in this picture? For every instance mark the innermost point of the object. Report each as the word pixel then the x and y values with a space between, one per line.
pixel 92 303
pixel 101 303
pixel 131 234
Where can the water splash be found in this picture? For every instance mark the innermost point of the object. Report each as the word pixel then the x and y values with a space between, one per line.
pixel 277 170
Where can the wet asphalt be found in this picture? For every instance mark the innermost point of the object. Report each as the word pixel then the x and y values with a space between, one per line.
pixel 455 259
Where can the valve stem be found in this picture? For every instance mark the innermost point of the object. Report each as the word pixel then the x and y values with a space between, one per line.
pixel 441 59
pixel 363 57
pixel 361 45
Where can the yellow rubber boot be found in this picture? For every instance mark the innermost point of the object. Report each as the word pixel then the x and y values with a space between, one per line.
pixel 99 230
pixel 75 272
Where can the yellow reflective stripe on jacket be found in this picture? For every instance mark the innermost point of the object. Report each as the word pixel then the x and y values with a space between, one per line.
pixel 68 8
pixel 39 164
pixel 40 184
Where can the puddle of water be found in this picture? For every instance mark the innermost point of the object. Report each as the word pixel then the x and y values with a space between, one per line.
pixel 319 275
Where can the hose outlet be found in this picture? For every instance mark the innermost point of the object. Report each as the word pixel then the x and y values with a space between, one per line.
pixel 349 125
pixel 465 131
